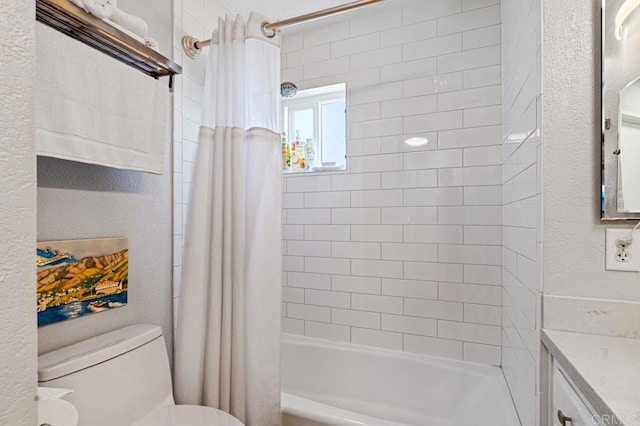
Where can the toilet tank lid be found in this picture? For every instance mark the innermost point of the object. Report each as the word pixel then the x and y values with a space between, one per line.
pixel 95 350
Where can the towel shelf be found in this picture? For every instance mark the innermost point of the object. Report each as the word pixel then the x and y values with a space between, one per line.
pixel 78 24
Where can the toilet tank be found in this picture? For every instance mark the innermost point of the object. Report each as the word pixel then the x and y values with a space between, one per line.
pixel 117 377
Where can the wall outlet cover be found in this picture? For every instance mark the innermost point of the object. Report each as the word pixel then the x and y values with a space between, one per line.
pixel 617 259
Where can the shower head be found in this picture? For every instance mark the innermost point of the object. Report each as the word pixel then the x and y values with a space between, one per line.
pixel 288 90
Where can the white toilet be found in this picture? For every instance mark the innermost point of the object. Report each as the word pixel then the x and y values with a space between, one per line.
pixel 122 378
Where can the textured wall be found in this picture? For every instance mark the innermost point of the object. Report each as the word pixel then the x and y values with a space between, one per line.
pixel 17 216
pixel 85 201
pixel 403 250
pixel 579 294
pixel 522 202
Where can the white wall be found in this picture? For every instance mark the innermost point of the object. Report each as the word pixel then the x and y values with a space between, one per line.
pixel 403 250
pixel 17 215
pixel 522 202
pixel 84 201
pixel 579 294
pixel 197 18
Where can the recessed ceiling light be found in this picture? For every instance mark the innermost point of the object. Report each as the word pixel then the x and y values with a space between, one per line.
pixel 416 141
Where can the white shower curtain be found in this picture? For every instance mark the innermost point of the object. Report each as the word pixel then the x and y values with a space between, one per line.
pixel 227 343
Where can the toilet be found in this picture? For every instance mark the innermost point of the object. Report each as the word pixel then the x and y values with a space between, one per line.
pixel 123 378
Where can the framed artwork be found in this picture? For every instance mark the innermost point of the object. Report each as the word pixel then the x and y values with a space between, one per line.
pixel 81 277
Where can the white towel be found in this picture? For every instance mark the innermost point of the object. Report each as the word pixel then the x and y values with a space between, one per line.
pixel 131 22
pixel 126 31
pixel 103 9
pixel 94 109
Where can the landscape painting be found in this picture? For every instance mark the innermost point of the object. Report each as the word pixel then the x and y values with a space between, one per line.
pixel 81 277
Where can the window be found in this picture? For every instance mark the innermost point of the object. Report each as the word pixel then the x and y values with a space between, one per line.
pixel 315 126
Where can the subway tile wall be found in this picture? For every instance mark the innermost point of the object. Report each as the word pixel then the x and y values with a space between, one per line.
pixel 404 250
pixel 522 202
pixel 197 18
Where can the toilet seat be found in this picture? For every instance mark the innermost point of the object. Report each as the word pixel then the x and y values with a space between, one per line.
pixel 188 415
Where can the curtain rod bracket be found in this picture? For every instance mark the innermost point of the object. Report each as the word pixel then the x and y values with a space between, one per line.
pixel 268 33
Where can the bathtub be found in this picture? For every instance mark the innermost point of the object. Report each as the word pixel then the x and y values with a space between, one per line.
pixel 329 383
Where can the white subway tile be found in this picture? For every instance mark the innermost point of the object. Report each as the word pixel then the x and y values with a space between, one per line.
pixel 433 309
pixel 382 339
pixel 348 182
pixel 484 354
pixel 292 263
pixel 468 332
pixel 410 288
pixel 470 215
pixel 309 248
pixel 376 233
pixel 327 298
pixel 376 268
pixel 373 303
pixel 482 156
pixel 433 271
pixel 364 112
pixel 355 318
pixel 368 129
pixel 292 295
pixel 293 326
pixel 410 252
pixel 327 199
pixel 308 312
pixel 483 235
pixel 433 159
pixel 376 58
pixel 327 265
pixel 377 198
pixel 476 4
pixel 359 78
pixel 291 42
pixel 411 325
pixel 307 56
pixel 479 77
pixel 381 92
pixel 483 195
pixel 432 47
pixel 356 250
pixel 326 68
pixel 292 232
pixel 410 215
pixel 308 216
pixel 410 179
pixel 308 184
pixel 409 70
pixel 475 255
pixel 482 37
pixel 483 274
pixel 376 22
pixel 327 232
pixel 470 20
pixel 426 10
pixel 469 293
pixel 432 85
pixel 432 122
pixel 358 216
pixel 409 33
pixel 367 285
pixel 376 163
pixel 397 143
pixel 319 330
pixel 325 34
pixel 368 146
pixel 433 197
pixel 433 346
pixel 483 314
pixel 469 59
pixel 470 98
pixel 307 280
pixel 411 106
pixel 355 45
pixel 292 201
pixel 435 234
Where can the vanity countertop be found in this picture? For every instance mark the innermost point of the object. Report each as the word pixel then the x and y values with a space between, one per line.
pixel 605 369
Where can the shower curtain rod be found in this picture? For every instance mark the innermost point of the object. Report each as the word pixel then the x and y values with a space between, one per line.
pixel 192 46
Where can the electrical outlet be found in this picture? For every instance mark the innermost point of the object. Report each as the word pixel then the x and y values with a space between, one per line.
pixel 622 259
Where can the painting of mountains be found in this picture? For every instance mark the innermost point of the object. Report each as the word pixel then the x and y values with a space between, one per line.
pixel 81 277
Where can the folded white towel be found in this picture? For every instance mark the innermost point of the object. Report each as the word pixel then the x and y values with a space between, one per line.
pixel 79 3
pixel 126 31
pixel 103 9
pixel 94 109
pixel 131 22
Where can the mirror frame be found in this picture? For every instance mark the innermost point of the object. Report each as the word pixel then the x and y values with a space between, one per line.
pixel 609 146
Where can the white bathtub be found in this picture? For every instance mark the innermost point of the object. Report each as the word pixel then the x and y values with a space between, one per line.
pixel 328 383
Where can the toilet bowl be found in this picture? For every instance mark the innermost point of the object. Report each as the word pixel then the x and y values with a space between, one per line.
pixel 123 378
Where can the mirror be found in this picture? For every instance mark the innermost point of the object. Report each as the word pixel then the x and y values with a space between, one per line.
pixel 315 129
pixel 620 109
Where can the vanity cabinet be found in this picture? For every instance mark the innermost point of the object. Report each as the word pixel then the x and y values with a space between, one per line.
pixel 567 405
